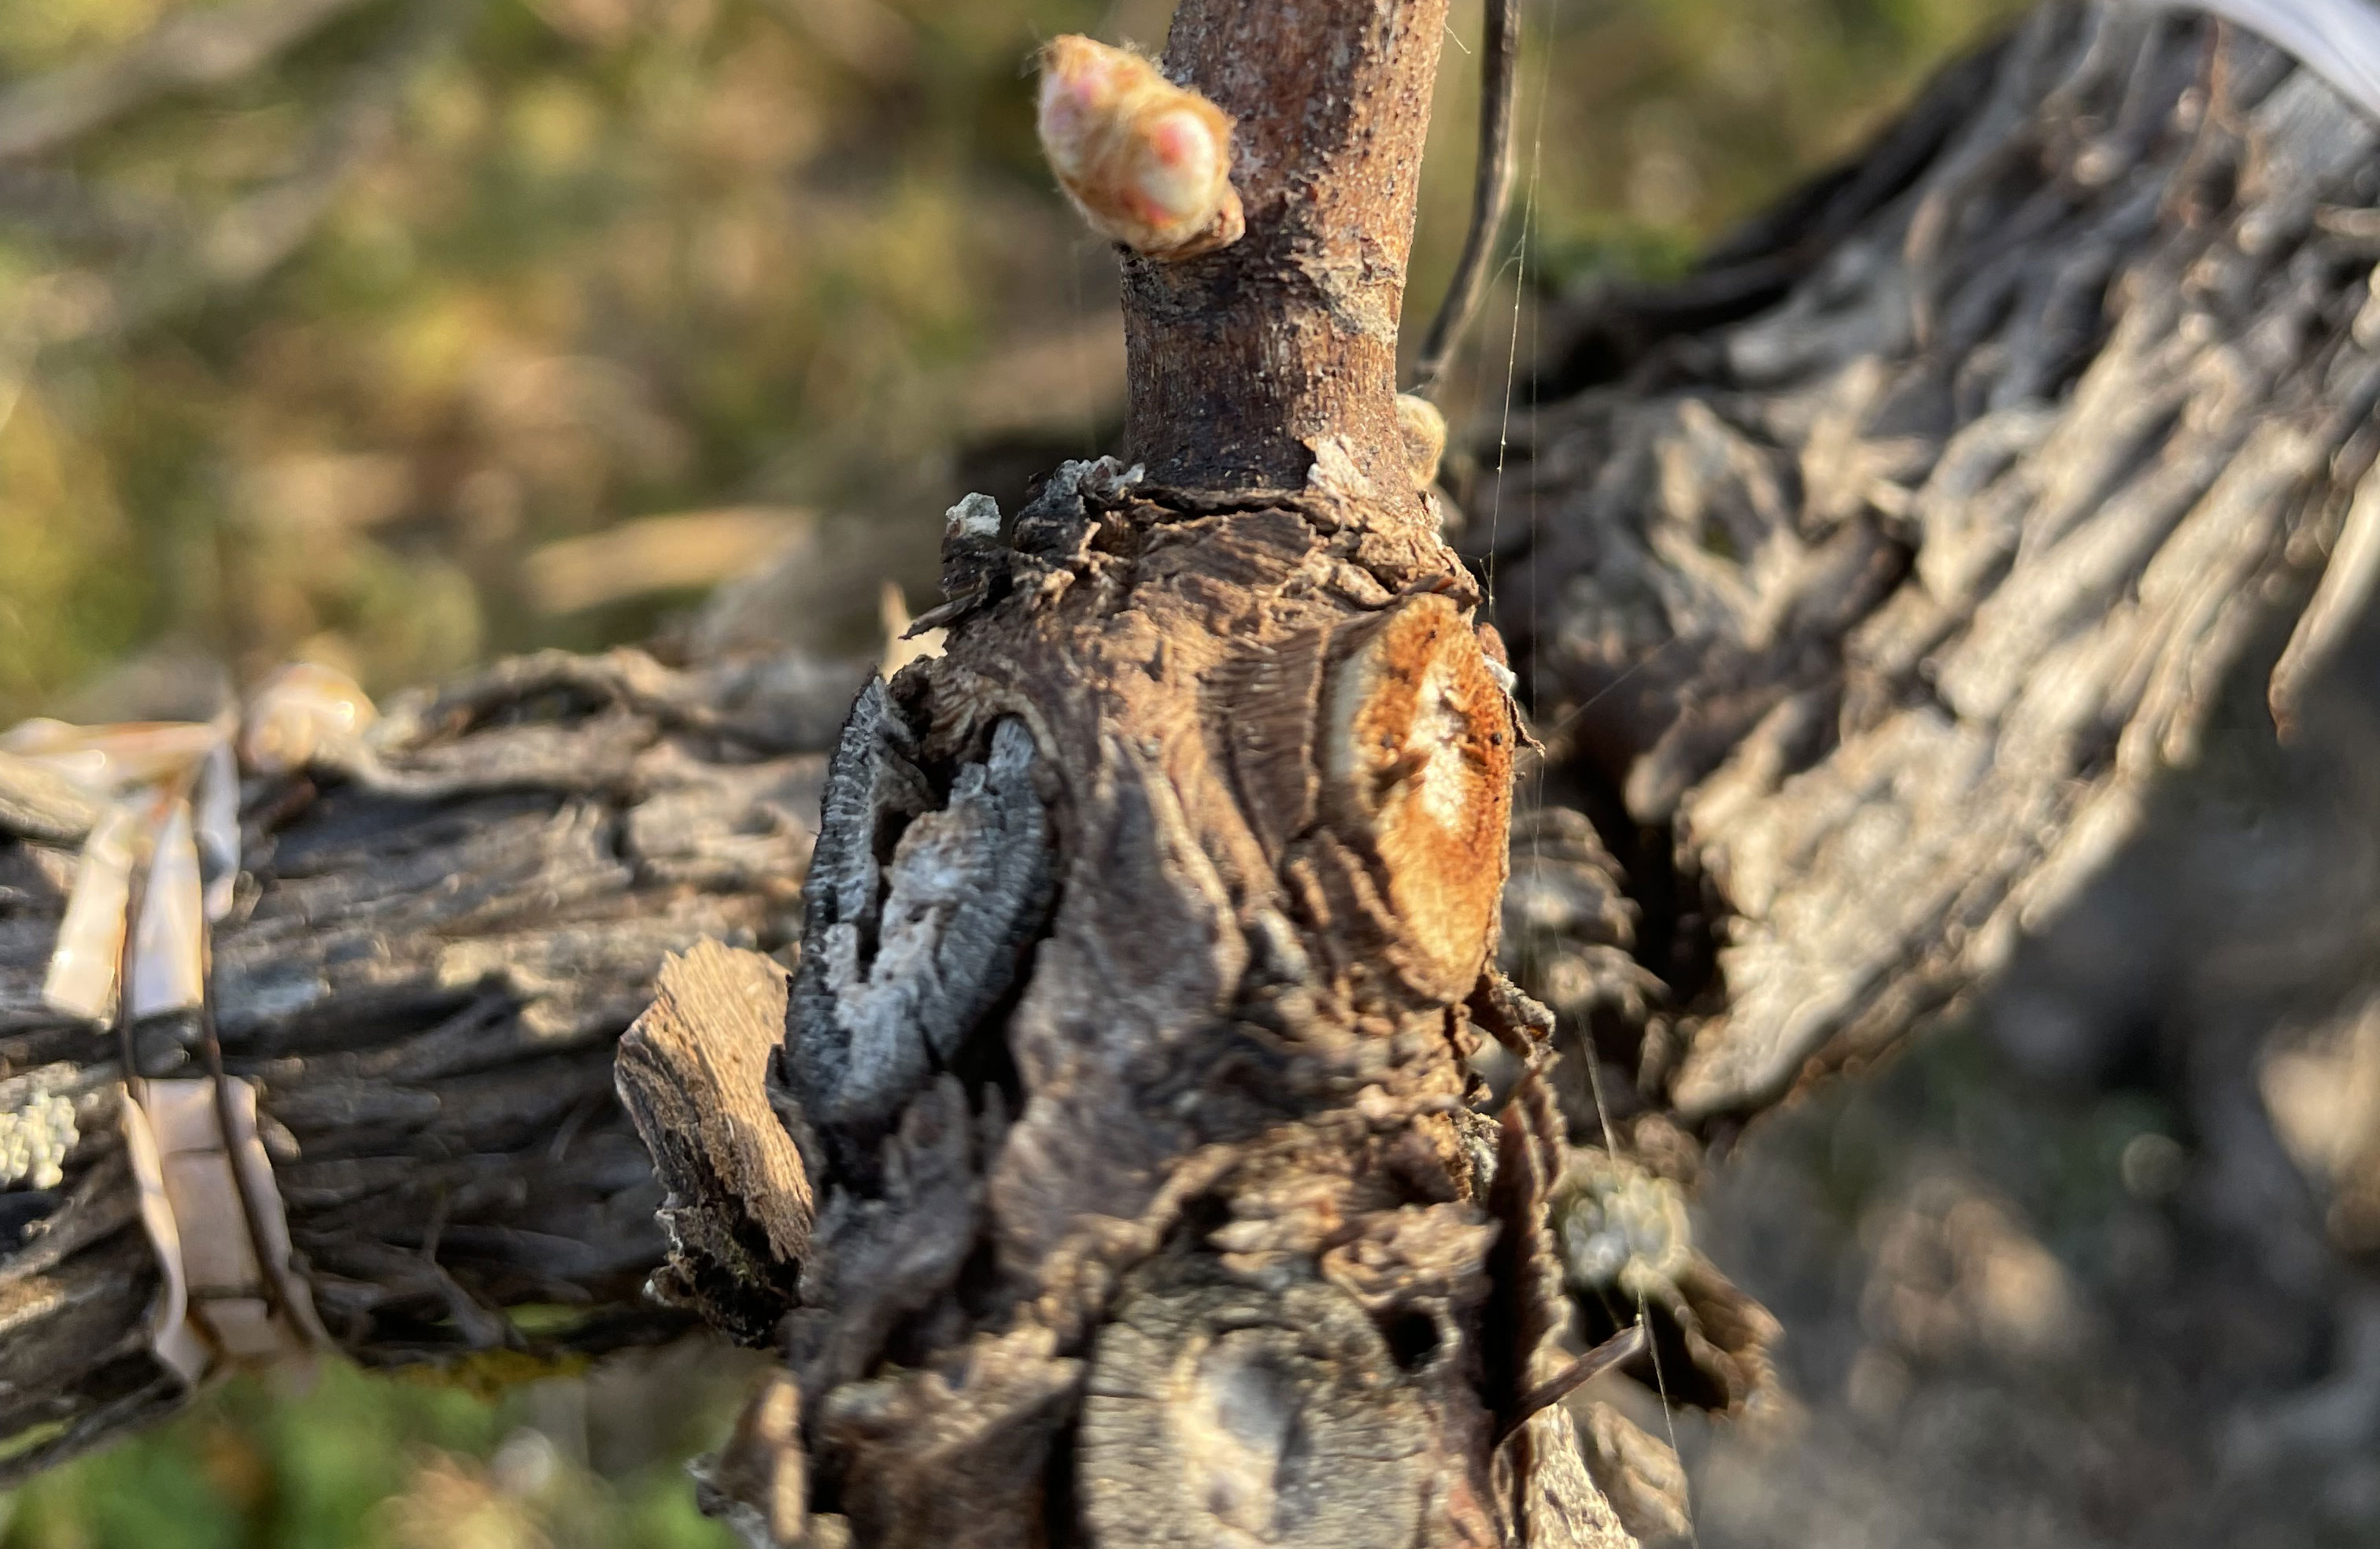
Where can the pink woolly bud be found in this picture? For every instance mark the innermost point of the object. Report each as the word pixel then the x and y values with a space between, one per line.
pixel 1148 163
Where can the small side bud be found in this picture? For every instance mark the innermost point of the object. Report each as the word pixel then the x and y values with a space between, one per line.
pixel 1423 429
pixel 304 714
pixel 1148 163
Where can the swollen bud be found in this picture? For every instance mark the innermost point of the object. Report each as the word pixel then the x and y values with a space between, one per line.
pixel 1147 161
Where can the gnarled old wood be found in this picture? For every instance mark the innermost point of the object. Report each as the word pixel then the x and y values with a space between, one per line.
pixel 1870 608
pixel 1184 858
pixel 1128 1053
pixel 1868 585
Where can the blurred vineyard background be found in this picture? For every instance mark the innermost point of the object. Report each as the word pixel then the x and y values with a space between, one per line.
pixel 397 333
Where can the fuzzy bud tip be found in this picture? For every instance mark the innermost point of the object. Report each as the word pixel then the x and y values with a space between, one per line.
pixel 1147 161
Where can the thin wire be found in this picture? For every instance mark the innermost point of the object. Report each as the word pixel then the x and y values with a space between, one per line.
pixel 1600 694
pixel 1530 214
pixel 1669 1422
pixel 1519 263
pixel 1529 217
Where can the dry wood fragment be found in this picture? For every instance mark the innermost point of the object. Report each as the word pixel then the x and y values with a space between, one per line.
pixel 691 1073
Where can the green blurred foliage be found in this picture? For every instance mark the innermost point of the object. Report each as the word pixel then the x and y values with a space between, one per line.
pixel 356 1461
pixel 321 361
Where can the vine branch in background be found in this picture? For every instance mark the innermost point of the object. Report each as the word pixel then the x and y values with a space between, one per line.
pixel 1491 192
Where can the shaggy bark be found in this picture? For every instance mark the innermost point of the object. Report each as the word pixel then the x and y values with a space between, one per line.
pixel 1868 585
pixel 1955 601
pixel 427 975
pixel 1906 552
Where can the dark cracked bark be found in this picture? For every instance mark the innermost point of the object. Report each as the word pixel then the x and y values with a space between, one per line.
pixel 426 974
